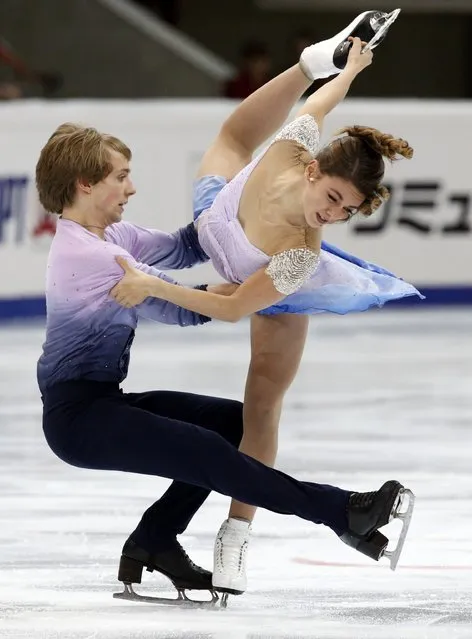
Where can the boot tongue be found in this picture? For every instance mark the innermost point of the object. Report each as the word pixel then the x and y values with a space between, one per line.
pixel 239 524
pixel 362 500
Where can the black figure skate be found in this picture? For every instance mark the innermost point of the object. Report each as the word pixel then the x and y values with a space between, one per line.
pixel 329 57
pixel 367 512
pixel 173 563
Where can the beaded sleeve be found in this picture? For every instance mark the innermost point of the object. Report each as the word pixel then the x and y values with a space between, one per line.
pixel 304 131
pixel 290 269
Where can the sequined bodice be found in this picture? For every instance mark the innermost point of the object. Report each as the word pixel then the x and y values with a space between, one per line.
pixel 220 231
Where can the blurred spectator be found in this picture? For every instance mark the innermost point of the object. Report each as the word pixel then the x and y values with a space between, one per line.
pixel 19 80
pixel 10 91
pixel 10 87
pixel 254 70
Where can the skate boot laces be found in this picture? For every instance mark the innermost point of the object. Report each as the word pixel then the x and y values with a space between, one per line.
pixel 232 545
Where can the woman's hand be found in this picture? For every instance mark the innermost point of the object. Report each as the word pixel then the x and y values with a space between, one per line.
pixel 357 61
pixel 134 287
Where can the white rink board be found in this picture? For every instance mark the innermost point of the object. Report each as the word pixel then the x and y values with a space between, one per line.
pixel 424 234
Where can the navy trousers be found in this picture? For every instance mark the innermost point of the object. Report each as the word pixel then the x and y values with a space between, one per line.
pixel 189 438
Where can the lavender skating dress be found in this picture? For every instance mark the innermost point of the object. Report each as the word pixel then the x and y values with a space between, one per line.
pixel 332 280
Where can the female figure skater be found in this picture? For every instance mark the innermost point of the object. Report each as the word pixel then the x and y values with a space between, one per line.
pixel 261 222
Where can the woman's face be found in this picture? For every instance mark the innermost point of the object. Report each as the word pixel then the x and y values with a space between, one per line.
pixel 328 199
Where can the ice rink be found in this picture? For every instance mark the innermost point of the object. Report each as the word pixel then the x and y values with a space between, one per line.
pixel 380 395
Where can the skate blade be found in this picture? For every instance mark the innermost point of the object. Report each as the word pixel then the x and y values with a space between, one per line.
pixel 405 517
pixel 224 600
pixel 129 594
pixel 383 29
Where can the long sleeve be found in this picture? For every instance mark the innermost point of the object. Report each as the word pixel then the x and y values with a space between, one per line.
pixel 89 335
pixel 177 250
pixel 165 312
pixel 157 309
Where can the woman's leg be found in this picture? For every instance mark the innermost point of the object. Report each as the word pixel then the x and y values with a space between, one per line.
pixel 277 344
pixel 261 114
pixel 255 120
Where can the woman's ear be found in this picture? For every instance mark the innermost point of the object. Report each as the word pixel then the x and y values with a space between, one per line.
pixel 312 171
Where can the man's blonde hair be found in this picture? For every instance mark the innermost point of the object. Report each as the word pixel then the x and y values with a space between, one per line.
pixel 72 153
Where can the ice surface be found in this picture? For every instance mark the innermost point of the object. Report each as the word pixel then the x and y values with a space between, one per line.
pixel 380 395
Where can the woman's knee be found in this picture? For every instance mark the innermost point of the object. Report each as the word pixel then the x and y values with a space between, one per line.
pixel 267 379
pixel 225 157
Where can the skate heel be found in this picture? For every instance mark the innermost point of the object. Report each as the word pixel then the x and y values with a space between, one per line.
pixel 374 547
pixel 130 570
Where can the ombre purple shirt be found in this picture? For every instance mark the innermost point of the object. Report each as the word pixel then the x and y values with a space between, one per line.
pixel 89 335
